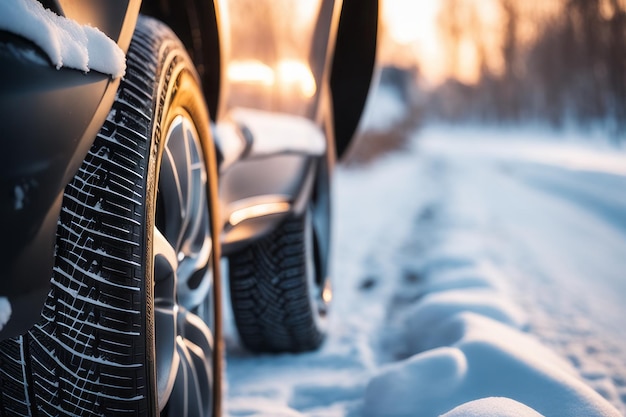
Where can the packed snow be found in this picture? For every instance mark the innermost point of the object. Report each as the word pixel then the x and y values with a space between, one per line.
pixel 5 311
pixel 65 42
pixel 478 273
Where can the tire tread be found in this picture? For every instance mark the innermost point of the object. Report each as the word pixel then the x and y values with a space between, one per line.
pixel 86 355
pixel 270 294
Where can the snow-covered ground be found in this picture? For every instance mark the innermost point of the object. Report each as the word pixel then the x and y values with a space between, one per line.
pixel 479 273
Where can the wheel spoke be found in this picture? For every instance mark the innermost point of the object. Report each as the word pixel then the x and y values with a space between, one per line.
pixel 163 249
pixel 165 314
pixel 198 340
pixel 193 381
pixel 166 354
pixel 198 333
pixel 194 206
pixel 195 277
pixel 195 196
pixel 170 197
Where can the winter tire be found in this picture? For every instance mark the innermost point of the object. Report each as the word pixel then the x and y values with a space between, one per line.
pixel 131 324
pixel 278 292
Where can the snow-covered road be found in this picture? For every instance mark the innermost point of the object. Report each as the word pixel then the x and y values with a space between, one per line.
pixel 472 266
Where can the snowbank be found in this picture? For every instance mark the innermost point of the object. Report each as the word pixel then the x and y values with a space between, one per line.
pixel 488 359
pixel 493 407
pixel 66 43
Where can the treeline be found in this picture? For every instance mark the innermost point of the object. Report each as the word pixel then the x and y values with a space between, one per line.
pixel 562 67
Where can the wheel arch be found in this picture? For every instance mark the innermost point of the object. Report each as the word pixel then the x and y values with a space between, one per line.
pixel 197 25
pixel 353 67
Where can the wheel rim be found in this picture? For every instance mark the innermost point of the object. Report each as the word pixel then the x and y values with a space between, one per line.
pixel 183 277
pixel 320 292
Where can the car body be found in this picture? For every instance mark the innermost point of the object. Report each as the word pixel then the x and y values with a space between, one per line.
pixel 282 110
pixel 37 167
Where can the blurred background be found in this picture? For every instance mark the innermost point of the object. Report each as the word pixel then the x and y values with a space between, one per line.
pixel 559 64
pixel 501 126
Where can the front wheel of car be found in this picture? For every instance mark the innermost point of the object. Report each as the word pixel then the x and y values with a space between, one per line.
pixel 131 325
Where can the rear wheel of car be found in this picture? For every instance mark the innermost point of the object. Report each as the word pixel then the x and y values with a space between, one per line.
pixel 131 325
pixel 279 291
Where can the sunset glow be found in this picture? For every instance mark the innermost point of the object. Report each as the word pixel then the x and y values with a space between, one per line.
pixel 294 73
pixel 289 73
pixel 412 26
pixel 417 38
pixel 457 38
pixel 250 72
pixel 411 21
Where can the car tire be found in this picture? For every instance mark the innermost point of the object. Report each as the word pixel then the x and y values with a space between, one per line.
pixel 131 324
pixel 278 292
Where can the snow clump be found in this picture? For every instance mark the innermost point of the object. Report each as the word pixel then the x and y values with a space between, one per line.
pixel 5 311
pixel 66 42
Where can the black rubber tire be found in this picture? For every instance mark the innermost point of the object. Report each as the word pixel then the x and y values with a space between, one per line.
pixel 93 352
pixel 275 290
